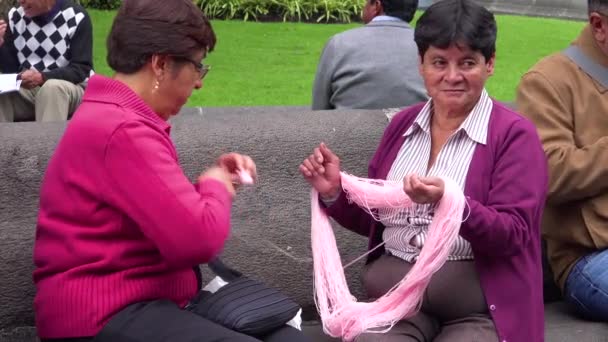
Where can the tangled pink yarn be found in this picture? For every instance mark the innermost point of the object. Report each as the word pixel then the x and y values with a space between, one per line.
pixel 342 315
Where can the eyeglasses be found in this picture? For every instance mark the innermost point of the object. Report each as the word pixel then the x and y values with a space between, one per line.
pixel 201 68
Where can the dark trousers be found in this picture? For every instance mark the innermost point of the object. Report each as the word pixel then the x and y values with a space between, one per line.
pixel 163 321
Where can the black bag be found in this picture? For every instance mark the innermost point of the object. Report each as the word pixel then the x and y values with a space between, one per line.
pixel 244 304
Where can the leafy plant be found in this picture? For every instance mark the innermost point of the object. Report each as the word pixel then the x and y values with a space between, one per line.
pixel 253 8
pixel 6 5
pixel 285 10
pixel 293 10
pixel 101 4
pixel 221 9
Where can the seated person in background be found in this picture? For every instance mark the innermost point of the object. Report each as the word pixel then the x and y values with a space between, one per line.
pixel 490 289
pixel 121 230
pixel 565 95
pixel 374 66
pixel 50 42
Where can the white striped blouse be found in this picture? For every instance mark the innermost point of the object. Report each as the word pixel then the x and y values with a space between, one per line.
pixel 406 229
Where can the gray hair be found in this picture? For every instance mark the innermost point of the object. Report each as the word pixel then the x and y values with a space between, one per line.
pixel 600 6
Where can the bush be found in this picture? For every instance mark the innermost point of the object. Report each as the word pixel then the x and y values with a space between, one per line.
pixel 285 10
pixel 101 4
pixel 5 6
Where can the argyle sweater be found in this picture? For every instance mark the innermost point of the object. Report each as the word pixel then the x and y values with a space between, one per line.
pixel 59 44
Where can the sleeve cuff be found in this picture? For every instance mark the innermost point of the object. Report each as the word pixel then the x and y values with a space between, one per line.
pixel 329 201
pixel 214 186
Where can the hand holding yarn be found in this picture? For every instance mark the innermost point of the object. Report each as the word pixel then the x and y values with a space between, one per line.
pixel 322 170
pixel 245 177
pixel 220 174
pixel 423 190
pixel 233 169
pixel 241 168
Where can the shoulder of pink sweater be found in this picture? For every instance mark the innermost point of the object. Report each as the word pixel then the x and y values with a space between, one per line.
pixel 101 121
pixel 93 118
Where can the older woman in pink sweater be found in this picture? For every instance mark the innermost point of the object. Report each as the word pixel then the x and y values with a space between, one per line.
pixel 121 229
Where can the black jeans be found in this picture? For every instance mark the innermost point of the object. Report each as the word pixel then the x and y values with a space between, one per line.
pixel 164 321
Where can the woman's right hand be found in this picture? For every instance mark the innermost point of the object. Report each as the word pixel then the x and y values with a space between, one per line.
pixel 227 170
pixel 221 174
pixel 322 170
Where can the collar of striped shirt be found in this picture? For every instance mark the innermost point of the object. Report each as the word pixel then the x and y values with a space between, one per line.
pixel 475 125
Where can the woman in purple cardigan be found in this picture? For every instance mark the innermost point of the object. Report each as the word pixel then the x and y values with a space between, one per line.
pixel 491 287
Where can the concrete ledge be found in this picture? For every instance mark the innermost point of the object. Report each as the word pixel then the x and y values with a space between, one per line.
pixel 270 238
pixel 560 326
pixel 564 9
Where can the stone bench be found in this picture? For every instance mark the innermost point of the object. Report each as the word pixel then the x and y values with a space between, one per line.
pixel 270 238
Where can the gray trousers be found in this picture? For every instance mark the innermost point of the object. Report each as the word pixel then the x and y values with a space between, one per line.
pixel 454 308
pixel 55 100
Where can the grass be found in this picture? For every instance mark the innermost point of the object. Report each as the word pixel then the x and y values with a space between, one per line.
pixel 264 64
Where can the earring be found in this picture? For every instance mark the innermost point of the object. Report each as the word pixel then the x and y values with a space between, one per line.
pixel 156 84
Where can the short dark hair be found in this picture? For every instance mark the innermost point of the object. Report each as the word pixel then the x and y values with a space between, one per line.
pixel 450 22
pixel 402 9
pixel 143 28
pixel 597 6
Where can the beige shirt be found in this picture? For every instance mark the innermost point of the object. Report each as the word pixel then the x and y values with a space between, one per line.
pixel 570 110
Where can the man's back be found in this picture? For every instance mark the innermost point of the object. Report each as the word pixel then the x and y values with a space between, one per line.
pixel 371 67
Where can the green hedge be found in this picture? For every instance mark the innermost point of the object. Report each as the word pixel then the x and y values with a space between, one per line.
pixel 101 4
pixel 267 10
pixel 285 10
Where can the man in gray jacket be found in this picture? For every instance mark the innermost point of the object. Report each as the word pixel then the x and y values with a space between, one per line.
pixel 374 66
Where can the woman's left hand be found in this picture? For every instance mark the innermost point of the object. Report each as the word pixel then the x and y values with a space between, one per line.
pixel 423 190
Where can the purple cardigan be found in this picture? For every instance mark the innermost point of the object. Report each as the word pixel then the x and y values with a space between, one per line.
pixel 506 187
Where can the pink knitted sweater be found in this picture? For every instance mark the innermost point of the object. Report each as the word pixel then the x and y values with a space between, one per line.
pixel 119 222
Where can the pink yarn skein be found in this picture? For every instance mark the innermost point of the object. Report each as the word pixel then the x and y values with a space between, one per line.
pixel 245 177
pixel 342 315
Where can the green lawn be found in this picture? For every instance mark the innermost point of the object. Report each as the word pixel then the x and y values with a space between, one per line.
pixel 257 64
